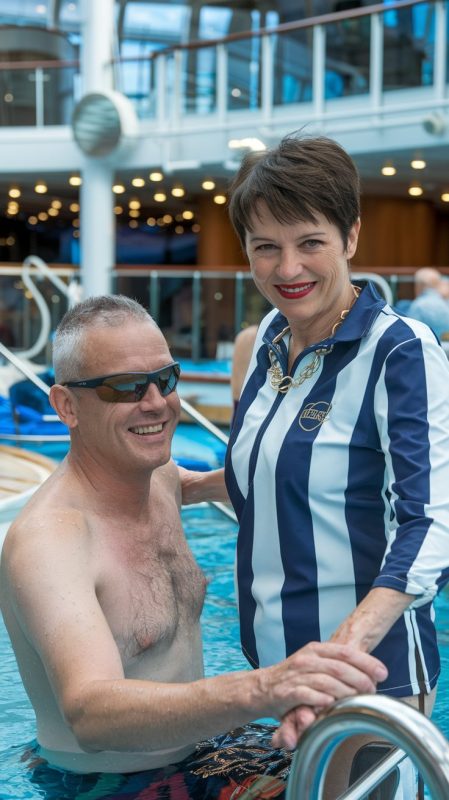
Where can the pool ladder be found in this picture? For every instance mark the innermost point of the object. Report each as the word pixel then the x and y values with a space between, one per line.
pixel 414 735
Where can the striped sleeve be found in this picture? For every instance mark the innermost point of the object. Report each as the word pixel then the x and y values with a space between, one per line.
pixel 412 412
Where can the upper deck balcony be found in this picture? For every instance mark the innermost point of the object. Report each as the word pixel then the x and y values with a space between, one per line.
pixel 376 78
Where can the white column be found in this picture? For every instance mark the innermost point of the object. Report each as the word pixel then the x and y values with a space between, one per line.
pixel 97 220
pixel 97 225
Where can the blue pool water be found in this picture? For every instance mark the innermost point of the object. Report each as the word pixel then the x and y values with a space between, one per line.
pixel 212 538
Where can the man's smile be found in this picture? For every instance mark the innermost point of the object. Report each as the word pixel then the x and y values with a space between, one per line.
pixel 142 430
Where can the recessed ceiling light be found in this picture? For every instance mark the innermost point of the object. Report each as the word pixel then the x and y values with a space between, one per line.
pixel 118 188
pixel 160 197
pixel 75 180
pixel 208 185
pixel 249 143
pixel 445 197
pixel 138 182
pixel 156 176
pixel 41 187
pixel 418 163
pixel 415 190
pixel 388 169
pixel 220 199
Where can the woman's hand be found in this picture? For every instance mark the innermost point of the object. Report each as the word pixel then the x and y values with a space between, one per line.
pixel 199 487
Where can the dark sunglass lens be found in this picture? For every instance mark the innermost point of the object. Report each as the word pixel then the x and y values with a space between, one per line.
pixel 167 380
pixel 121 389
pixel 110 395
pixel 132 388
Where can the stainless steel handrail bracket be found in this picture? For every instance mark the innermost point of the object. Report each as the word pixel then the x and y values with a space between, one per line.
pixel 390 719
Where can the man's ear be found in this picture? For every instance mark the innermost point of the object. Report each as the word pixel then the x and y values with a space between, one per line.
pixel 63 402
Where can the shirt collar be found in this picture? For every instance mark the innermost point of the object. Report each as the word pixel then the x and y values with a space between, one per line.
pixel 357 324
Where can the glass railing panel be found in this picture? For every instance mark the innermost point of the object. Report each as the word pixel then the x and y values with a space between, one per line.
pixel 409 35
pixel 217 316
pixel 293 67
pixel 244 74
pixel 199 80
pixel 175 314
pixel 17 90
pixel 136 286
pixel 20 318
pixel 37 96
pixel 254 305
pixel 447 40
pixel 137 82
pixel 423 17
pixel 58 95
pixel 347 57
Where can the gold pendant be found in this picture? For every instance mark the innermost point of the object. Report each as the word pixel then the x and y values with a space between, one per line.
pixel 282 383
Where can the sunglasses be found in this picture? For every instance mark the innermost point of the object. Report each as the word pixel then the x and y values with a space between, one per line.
pixel 130 387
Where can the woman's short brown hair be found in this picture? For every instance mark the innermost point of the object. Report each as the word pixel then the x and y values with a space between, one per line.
pixel 303 175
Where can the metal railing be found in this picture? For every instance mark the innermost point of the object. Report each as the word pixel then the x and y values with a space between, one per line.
pixel 365 53
pixel 157 288
pixel 395 721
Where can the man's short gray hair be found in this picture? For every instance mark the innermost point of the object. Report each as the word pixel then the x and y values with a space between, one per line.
pixel 95 312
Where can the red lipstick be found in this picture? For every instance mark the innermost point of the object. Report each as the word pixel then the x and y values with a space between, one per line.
pixel 294 291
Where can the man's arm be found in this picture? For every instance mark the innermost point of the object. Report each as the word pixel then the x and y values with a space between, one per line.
pixel 58 610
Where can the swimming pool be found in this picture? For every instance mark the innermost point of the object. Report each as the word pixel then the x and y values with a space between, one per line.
pixel 212 538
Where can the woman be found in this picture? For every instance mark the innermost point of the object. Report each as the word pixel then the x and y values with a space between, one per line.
pixel 337 464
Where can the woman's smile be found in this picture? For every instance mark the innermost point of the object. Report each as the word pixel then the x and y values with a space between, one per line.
pixel 295 291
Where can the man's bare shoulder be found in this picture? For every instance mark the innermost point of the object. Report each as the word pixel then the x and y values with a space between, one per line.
pixel 51 519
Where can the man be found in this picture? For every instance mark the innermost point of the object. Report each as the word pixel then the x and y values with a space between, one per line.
pixel 99 590
pixel 430 305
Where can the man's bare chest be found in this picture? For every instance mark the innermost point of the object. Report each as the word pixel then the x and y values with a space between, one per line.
pixel 151 590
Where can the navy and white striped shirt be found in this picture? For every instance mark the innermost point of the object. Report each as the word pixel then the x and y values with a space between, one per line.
pixel 342 485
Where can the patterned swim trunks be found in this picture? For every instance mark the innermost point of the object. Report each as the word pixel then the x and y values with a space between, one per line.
pixel 239 765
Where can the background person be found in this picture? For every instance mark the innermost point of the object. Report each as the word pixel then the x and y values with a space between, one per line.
pixel 430 305
pixel 337 463
pixel 106 631
pixel 243 348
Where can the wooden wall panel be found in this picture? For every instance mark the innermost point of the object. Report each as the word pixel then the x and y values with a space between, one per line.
pixel 218 245
pixel 397 232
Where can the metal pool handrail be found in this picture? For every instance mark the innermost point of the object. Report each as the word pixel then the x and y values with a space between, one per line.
pixel 391 719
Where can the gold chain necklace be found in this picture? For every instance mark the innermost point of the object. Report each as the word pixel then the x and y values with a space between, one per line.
pixel 282 383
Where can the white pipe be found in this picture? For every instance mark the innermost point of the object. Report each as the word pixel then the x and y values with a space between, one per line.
pixel 44 334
